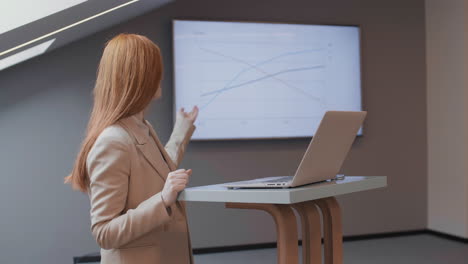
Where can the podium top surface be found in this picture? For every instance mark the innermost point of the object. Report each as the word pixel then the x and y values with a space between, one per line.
pixel 219 193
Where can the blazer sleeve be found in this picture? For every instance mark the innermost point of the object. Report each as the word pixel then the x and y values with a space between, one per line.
pixel 108 165
pixel 180 137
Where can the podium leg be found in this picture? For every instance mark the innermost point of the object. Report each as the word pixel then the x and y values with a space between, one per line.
pixel 332 229
pixel 311 232
pixel 286 228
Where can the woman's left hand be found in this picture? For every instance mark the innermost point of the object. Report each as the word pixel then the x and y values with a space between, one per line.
pixel 191 116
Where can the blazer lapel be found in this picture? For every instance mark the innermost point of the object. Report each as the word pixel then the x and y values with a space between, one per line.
pixel 139 132
pixel 148 153
pixel 166 156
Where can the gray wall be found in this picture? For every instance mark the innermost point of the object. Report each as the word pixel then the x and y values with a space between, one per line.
pixel 45 103
pixel 447 115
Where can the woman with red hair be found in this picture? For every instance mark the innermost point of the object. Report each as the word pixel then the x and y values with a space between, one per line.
pixel 131 178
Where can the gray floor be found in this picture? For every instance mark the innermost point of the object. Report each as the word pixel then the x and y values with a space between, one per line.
pixel 427 249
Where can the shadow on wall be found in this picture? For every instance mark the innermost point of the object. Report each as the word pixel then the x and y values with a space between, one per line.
pixel 62 69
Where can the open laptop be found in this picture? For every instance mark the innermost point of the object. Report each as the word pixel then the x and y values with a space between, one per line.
pixel 324 155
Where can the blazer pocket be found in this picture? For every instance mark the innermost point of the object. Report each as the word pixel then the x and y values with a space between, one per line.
pixel 137 246
pixel 140 254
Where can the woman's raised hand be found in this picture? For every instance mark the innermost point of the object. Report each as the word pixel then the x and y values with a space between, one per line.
pixel 176 181
pixel 192 115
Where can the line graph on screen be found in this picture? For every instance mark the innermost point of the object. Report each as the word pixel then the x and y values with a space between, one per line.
pixel 265 75
pixel 272 71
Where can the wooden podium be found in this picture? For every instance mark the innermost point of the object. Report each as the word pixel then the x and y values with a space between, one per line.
pixel 308 201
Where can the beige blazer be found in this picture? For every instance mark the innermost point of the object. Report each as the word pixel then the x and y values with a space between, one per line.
pixel 129 220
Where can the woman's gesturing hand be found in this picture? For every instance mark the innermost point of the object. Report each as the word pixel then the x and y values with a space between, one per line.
pixel 175 182
pixel 192 115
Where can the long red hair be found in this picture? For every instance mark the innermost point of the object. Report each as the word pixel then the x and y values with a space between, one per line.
pixel 128 77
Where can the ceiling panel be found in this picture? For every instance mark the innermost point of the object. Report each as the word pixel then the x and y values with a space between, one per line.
pixel 63 20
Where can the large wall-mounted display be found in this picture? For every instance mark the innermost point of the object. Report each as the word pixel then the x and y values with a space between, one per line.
pixel 264 80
